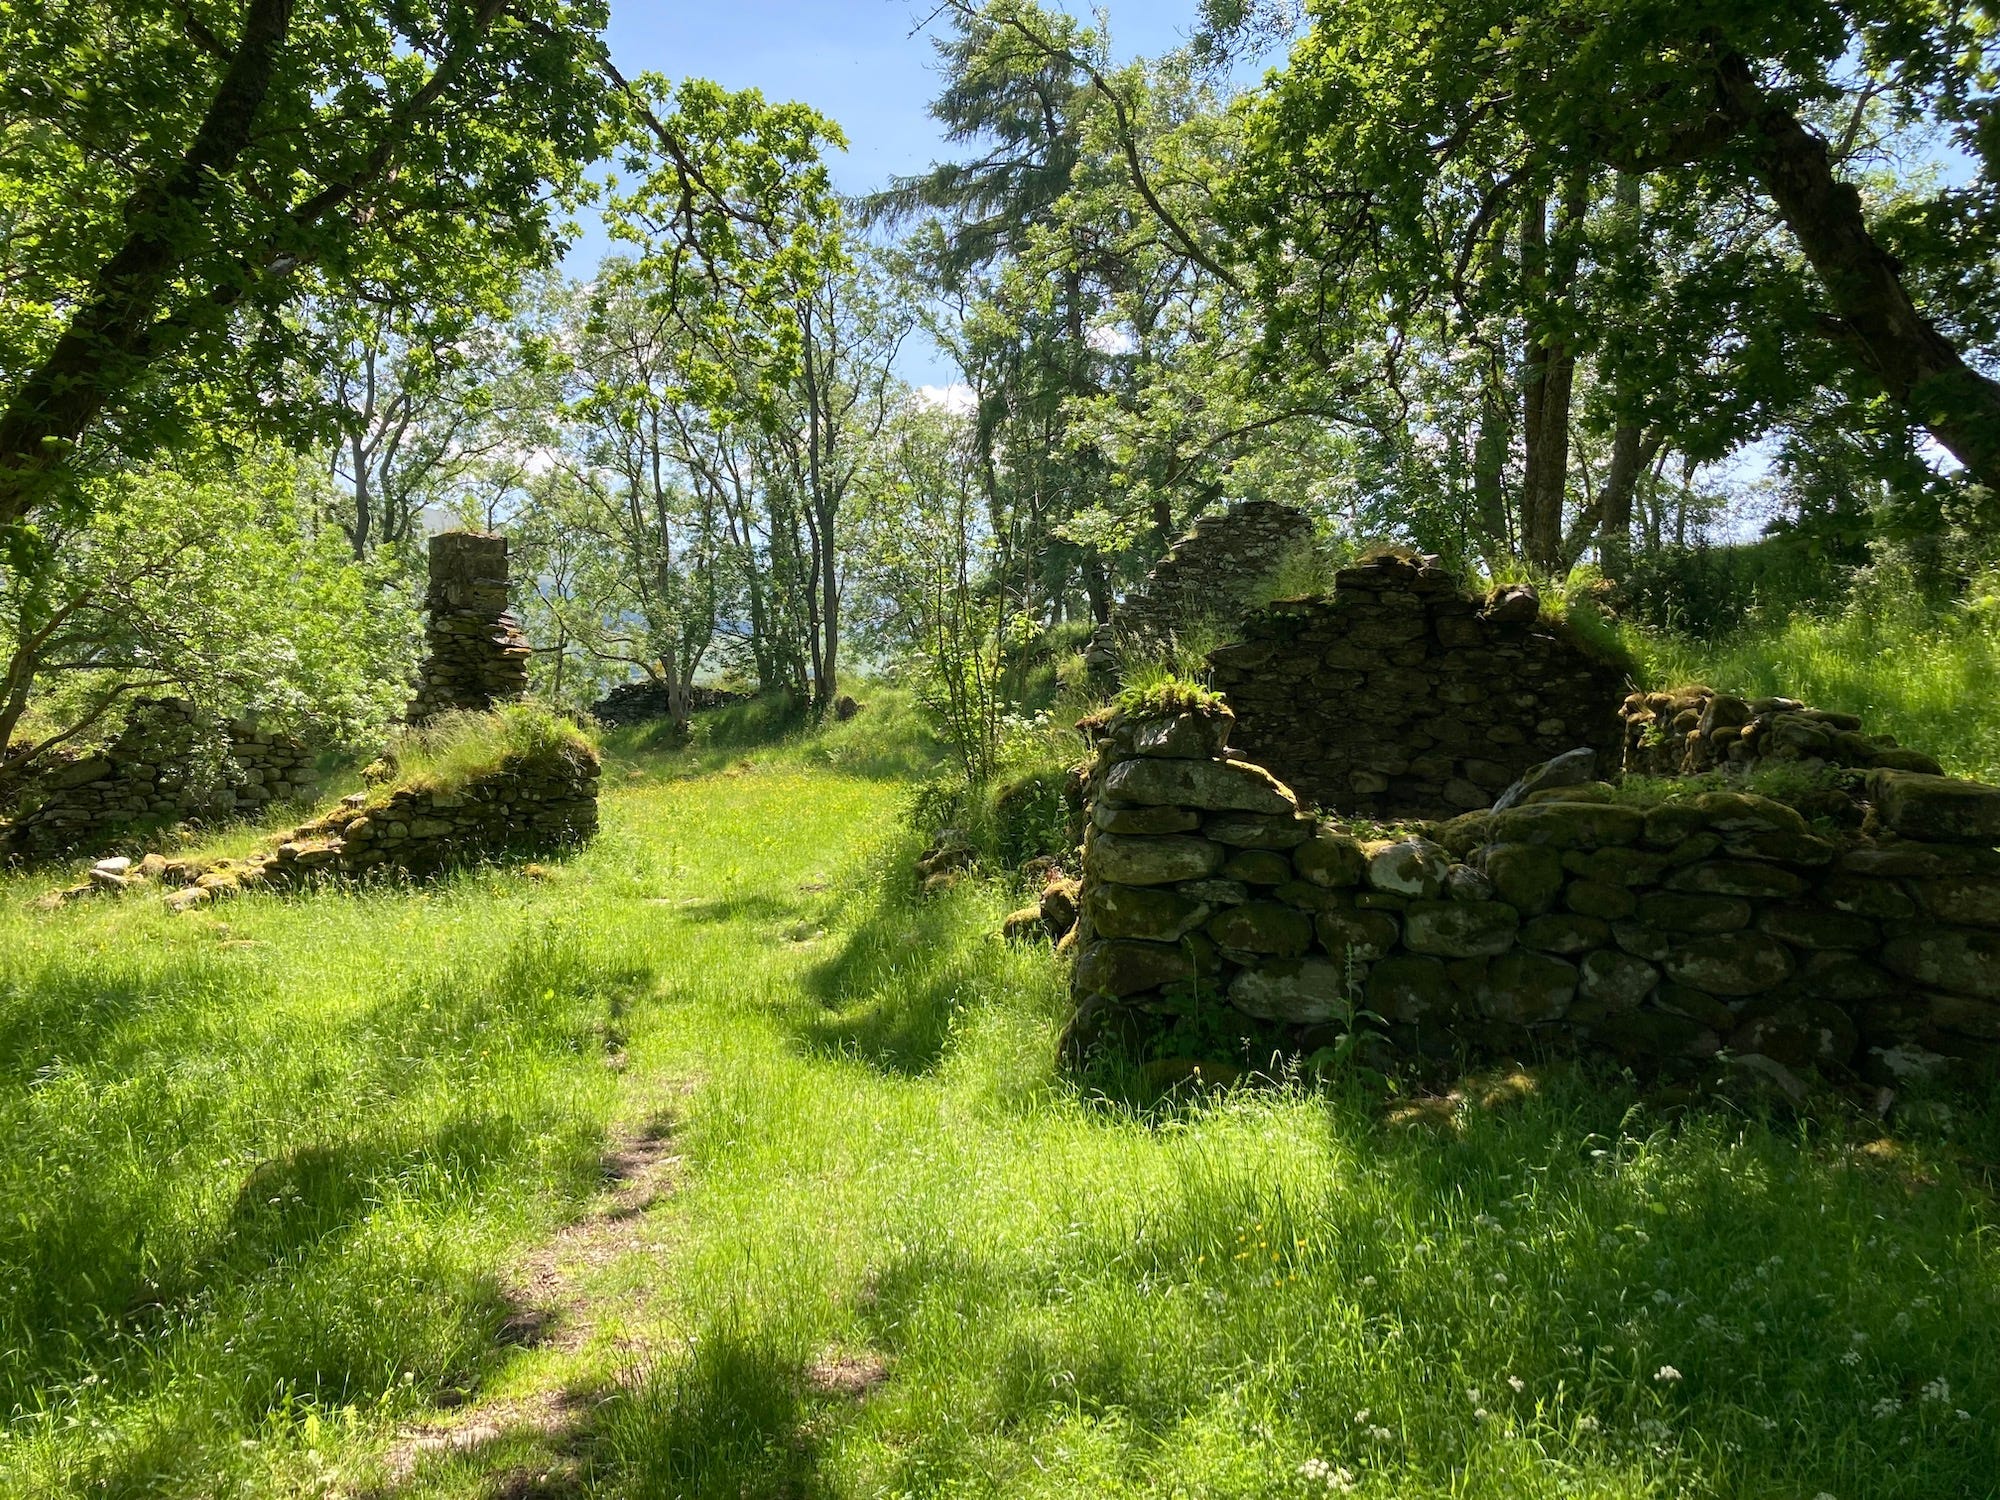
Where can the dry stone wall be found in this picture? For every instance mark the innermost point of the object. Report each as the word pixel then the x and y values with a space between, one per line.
pixel 1206 576
pixel 1572 922
pixel 1400 696
pixel 476 655
pixel 171 763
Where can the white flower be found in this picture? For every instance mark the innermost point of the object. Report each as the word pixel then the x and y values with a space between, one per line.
pixel 1368 1281
pixel 1938 1390
pixel 1587 1423
pixel 1499 1278
pixel 1517 1383
pixel 1851 1358
pixel 1666 1374
pixel 1479 1414
pixel 1888 1406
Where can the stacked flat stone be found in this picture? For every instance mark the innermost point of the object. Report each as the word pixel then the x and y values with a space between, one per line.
pixel 1696 729
pixel 476 655
pixel 170 764
pixel 1400 695
pixel 1206 576
pixel 1573 922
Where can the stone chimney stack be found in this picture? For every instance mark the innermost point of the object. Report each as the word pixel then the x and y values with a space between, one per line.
pixel 476 655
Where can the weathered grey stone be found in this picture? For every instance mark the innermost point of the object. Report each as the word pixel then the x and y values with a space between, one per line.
pixel 1527 877
pixel 1733 877
pixel 1295 990
pixel 1152 861
pixel 1330 859
pixel 1408 867
pixel 1815 928
pixel 1186 736
pixel 1262 927
pixel 1737 963
pixel 1148 912
pixel 1845 977
pixel 1565 933
pixel 1251 831
pixel 1968 901
pixel 1936 807
pixel 1526 988
pixel 1948 958
pixel 1617 980
pixel 1571 768
pixel 1797 1031
pixel 1729 813
pixel 1121 967
pixel 1458 929
pixel 1211 785
pixel 1681 911
pixel 1592 898
pixel 1463 883
pixel 1257 867
pixel 1360 935
pixel 1111 818
pixel 1569 825
pixel 1410 990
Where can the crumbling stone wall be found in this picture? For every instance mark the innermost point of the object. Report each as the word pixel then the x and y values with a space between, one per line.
pixel 1696 729
pixel 528 805
pixel 642 702
pixel 171 763
pixel 1207 575
pixel 1401 696
pixel 476 655
pixel 1572 922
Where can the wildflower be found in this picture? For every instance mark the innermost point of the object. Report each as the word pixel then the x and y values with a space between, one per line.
pixel 1479 1414
pixel 1368 1281
pixel 1361 1417
pixel 1938 1390
pixel 1319 1471
pixel 1851 1358
pixel 1380 1434
pixel 1472 1394
pixel 1517 1383
pixel 1666 1375
pixel 1663 1296
pixel 1587 1423
pixel 1888 1406
pixel 1499 1278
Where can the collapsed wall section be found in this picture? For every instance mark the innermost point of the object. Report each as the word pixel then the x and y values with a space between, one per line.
pixel 1399 696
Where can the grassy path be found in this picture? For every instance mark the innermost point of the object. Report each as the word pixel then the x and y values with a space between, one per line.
pixel 709 1163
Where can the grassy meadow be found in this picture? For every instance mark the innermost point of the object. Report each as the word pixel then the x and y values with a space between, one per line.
pixel 711 1162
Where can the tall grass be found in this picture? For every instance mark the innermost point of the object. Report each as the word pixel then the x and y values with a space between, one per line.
pixel 1928 675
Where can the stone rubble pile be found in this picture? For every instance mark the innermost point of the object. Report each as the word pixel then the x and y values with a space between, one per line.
pixel 1696 729
pixel 1400 696
pixel 476 656
pixel 1574 921
pixel 1207 575
pixel 172 763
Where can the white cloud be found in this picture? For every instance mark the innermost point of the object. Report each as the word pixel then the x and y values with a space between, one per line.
pixel 956 398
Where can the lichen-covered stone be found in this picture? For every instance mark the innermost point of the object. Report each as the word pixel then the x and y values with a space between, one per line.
pixel 1528 877
pixel 1251 831
pixel 1408 867
pixel 1736 963
pixel 1967 901
pixel 1196 735
pixel 1262 927
pixel 1565 933
pixel 1937 807
pixel 1360 935
pixel 1407 990
pixel 1121 966
pixel 1456 929
pixel 1965 962
pixel 1330 859
pixel 1298 990
pixel 1526 988
pixel 1128 860
pixel 1257 867
pixel 1211 785
pixel 1682 911
pixel 1736 877
pixel 1145 821
pixel 1797 1031
pixel 1569 825
pixel 1815 928
pixel 1591 898
pixel 1149 912
pixel 1617 980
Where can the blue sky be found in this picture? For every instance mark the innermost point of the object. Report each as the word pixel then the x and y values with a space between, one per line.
pixel 865 63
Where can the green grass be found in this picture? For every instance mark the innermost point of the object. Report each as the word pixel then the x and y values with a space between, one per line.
pixel 270 1171
pixel 1929 677
pixel 460 747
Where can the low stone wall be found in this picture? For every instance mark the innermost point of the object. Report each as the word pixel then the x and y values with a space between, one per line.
pixel 1207 575
pixel 528 805
pixel 170 764
pixel 642 702
pixel 1401 696
pixel 1696 729
pixel 1572 922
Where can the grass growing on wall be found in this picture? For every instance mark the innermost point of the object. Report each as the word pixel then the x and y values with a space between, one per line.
pixel 271 1173
pixel 459 747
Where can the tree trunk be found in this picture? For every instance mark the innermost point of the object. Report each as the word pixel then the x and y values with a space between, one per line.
pixel 101 354
pixel 1917 366
pixel 1550 374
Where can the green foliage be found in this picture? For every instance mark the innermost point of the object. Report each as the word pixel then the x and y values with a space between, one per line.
pixel 457 748
pixel 1166 694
